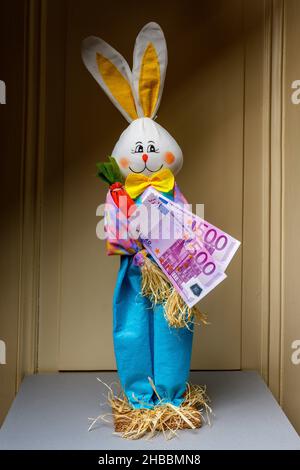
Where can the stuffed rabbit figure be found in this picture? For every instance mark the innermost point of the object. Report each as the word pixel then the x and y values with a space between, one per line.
pixel 153 359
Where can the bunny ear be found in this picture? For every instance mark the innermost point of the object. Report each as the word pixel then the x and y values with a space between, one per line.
pixel 150 60
pixel 112 73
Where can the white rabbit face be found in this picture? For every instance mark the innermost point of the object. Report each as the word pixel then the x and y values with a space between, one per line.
pixel 146 147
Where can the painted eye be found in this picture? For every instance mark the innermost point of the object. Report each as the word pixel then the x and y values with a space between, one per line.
pixel 139 148
pixel 151 148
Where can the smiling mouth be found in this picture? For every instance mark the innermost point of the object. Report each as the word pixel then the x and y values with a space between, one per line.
pixel 146 168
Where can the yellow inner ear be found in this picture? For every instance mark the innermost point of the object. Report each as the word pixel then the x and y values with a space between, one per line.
pixel 117 85
pixel 149 82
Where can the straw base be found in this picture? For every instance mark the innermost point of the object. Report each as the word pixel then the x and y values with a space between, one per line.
pixel 134 423
pixel 172 421
pixel 165 418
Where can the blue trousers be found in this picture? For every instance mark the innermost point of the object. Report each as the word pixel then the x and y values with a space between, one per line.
pixel 145 346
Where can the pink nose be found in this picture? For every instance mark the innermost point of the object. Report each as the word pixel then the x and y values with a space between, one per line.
pixel 145 157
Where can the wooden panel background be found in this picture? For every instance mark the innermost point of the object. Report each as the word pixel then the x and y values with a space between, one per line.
pixel 203 107
pixel 290 328
pixel 227 101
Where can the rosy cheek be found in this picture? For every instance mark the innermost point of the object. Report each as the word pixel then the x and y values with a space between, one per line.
pixel 169 158
pixel 124 162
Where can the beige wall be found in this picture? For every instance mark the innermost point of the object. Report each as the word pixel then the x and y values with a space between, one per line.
pixel 202 107
pixel 290 327
pixel 226 101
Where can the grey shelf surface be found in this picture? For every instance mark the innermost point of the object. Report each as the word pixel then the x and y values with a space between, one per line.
pixel 51 412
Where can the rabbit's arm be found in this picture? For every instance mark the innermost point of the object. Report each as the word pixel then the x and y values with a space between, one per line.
pixel 115 228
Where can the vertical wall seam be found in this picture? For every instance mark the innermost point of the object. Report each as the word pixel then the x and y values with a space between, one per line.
pixel 27 314
pixel 243 178
pixel 22 189
pixel 61 208
pixel 266 145
pixel 276 199
pixel 41 139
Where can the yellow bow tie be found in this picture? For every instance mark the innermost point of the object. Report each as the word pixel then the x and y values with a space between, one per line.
pixel 136 183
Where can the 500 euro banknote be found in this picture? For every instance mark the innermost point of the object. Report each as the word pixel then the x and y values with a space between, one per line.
pixel 187 264
pixel 218 243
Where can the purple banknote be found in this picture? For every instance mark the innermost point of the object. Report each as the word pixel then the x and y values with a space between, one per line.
pixel 218 243
pixel 182 257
